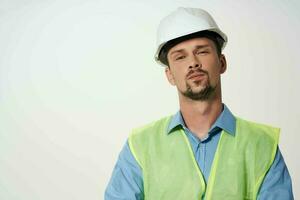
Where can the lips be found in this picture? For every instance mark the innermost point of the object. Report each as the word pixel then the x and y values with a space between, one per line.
pixel 196 75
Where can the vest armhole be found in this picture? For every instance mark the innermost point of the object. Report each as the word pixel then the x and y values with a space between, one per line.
pixel 261 178
pixel 132 149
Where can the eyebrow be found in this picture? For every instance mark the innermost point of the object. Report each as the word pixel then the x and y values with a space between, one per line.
pixel 197 48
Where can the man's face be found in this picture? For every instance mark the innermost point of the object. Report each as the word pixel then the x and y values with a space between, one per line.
pixel 195 68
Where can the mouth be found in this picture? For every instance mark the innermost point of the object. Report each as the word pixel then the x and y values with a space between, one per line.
pixel 196 76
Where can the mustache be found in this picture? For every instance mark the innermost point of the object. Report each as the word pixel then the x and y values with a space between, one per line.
pixel 198 70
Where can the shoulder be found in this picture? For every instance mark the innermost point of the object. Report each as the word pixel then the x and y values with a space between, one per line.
pixel 256 129
pixel 254 125
pixel 151 127
pixel 146 137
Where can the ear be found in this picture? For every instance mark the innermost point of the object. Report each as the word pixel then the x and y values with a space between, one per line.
pixel 223 64
pixel 169 75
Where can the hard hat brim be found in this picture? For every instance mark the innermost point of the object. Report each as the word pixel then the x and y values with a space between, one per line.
pixel 217 31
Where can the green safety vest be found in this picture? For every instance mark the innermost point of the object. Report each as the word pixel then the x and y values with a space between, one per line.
pixel 170 171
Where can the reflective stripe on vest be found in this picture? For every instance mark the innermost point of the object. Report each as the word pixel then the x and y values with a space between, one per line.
pixel 170 171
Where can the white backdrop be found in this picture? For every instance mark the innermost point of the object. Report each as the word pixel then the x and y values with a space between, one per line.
pixel 76 76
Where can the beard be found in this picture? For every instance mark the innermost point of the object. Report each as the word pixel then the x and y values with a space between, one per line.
pixel 204 94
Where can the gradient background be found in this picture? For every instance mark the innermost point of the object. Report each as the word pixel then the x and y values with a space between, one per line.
pixel 76 76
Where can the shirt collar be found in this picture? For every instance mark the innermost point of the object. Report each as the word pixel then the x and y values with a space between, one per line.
pixel 225 121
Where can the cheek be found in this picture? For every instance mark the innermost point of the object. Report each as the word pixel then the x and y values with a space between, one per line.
pixel 179 76
pixel 211 62
pixel 213 69
pixel 178 80
pixel 214 76
pixel 179 72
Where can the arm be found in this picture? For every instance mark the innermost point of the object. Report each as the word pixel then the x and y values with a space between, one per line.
pixel 277 184
pixel 126 181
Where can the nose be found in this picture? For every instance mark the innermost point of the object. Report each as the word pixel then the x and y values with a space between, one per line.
pixel 194 63
pixel 194 66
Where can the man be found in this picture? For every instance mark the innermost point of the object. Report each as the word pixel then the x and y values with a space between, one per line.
pixel 203 151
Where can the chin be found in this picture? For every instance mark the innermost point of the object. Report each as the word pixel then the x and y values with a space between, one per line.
pixel 198 89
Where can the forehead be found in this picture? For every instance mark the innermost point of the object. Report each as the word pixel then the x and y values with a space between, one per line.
pixel 192 44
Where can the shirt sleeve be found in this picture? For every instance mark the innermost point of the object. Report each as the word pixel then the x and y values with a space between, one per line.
pixel 126 181
pixel 277 184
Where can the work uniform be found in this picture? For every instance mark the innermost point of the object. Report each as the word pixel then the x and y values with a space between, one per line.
pixel 127 179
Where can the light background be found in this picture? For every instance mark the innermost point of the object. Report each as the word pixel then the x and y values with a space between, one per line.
pixel 76 76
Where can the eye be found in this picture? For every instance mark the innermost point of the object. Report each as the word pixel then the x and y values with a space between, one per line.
pixel 202 52
pixel 179 57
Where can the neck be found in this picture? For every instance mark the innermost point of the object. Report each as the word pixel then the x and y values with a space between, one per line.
pixel 200 115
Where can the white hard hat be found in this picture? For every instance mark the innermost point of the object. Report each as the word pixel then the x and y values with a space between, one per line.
pixel 182 22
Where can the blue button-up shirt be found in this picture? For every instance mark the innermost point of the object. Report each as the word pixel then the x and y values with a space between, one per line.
pixel 127 180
